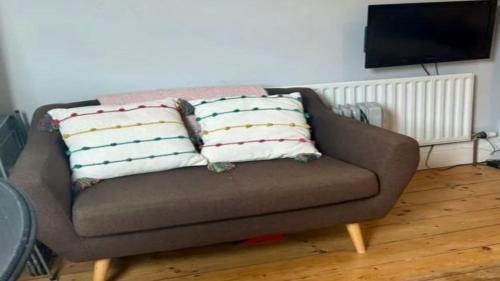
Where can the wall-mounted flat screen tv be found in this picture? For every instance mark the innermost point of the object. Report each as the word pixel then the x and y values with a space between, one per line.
pixel 404 34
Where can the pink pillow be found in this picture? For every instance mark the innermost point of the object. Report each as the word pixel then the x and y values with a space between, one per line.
pixel 183 93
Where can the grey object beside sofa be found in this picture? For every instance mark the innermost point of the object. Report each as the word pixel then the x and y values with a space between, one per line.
pixel 360 177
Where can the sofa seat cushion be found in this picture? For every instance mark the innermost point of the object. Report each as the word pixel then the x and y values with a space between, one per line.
pixel 195 195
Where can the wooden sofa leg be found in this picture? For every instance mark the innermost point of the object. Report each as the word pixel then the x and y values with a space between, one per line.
pixel 101 269
pixel 357 237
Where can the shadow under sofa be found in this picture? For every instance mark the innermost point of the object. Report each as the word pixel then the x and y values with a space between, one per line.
pixel 360 176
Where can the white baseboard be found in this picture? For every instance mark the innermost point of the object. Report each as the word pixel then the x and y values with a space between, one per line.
pixel 446 155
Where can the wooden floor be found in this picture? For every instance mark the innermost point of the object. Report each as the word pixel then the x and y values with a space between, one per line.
pixel 446 227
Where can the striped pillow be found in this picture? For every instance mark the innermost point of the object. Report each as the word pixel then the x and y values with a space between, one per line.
pixel 109 141
pixel 247 128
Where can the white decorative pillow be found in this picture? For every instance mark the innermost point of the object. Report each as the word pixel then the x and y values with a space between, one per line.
pixel 110 141
pixel 247 128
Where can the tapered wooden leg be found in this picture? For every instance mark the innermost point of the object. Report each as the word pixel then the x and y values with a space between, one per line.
pixel 356 237
pixel 101 269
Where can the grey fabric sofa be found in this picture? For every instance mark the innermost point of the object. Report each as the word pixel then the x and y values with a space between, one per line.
pixel 360 177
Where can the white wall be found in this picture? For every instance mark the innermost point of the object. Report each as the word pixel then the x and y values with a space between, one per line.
pixel 59 50
pixel 5 94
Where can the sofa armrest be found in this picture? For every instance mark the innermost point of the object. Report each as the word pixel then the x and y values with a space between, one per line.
pixel 42 172
pixel 392 157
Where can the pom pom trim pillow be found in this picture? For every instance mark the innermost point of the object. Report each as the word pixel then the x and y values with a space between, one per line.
pixel 109 141
pixel 248 128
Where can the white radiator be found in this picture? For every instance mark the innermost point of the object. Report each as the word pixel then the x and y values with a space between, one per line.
pixel 431 109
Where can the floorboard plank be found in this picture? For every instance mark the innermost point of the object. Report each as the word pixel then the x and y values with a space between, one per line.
pixel 435 178
pixel 448 193
pixel 482 274
pixel 408 213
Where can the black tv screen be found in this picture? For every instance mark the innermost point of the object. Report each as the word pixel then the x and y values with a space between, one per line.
pixel 403 34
